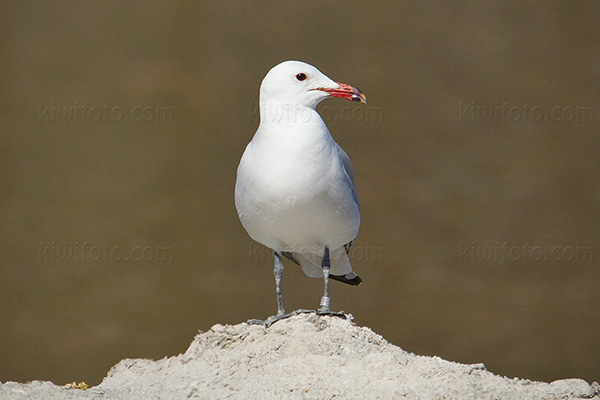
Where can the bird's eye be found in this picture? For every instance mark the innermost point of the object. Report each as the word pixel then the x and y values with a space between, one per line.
pixel 301 76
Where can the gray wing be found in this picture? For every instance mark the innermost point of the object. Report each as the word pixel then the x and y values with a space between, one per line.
pixel 350 171
pixel 348 168
pixel 347 163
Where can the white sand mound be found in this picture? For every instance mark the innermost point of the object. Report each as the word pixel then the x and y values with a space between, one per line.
pixel 303 357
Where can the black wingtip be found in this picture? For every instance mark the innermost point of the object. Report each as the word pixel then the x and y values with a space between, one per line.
pixel 342 278
pixel 289 256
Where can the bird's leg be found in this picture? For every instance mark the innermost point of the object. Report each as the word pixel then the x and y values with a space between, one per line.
pixel 325 300
pixel 278 272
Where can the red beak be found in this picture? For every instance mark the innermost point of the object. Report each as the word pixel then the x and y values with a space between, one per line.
pixel 346 92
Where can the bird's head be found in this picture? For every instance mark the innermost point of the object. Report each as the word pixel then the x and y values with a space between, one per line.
pixel 296 82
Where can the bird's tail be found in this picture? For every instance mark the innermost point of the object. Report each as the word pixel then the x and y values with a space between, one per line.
pixel 341 270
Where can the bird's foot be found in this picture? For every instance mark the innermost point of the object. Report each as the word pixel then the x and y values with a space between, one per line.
pixel 274 318
pixel 271 320
pixel 340 314
pixel 325 303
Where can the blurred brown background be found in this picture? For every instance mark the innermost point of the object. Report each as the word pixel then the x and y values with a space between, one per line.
pixel 440 180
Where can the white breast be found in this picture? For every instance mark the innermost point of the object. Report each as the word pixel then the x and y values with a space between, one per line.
pixel 293 192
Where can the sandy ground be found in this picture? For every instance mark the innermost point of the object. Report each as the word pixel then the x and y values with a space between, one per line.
pixel 303 357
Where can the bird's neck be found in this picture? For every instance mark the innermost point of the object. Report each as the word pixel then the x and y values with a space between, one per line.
pixel 282 113
pixel 292 125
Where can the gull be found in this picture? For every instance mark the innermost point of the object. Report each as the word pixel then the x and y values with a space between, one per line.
pixel 294 191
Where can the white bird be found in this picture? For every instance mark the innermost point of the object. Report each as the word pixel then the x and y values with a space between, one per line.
pixel 294 191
